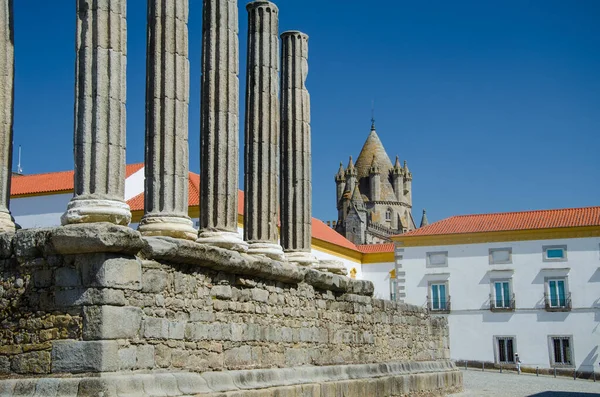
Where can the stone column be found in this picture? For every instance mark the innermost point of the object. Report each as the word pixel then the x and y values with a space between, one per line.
pixel 296 188
pixel 100 92
pixel 167 100
pixel 219 127
pixel 7 72
pixel 261 149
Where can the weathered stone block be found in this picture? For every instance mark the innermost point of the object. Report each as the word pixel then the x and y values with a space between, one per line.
pixel 177 330
pixel 260 295
pixel 42 278
pixel 6 245
pixel 154 281
pixel 221 292
pixel 85 356
pixel 237 357
pixel 89 296
pixel 156 328
pixel 127 358
pixel 108 270
pixel 67 277
pixel 145 357
pixel 96 237
pixel 111 322
pixel 31 243
pixel 4 365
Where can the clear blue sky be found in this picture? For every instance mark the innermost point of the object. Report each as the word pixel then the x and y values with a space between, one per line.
pixel 495 105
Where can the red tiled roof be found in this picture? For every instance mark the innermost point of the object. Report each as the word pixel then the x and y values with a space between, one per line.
pixel 507 221
pixel 323 232
pixel 376 248
pixel 52 182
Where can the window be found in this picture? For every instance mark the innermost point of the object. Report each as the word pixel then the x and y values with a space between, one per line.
pixel 505 349
pixel 437 258
pixel 501 298
pixel 561 352
pixel 557 296
pixel 439 299
pixel 556 253
pixel 388 215
pixel 500 256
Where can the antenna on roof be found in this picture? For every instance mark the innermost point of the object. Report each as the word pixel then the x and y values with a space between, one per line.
pixel 19 169
pixel 373 115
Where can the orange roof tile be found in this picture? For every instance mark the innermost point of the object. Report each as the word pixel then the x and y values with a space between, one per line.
pixel 51 182
pixel 323 232
pixel 507 221
pixel 376 248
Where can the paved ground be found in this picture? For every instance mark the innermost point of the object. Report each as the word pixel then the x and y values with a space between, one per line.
pixel 494 384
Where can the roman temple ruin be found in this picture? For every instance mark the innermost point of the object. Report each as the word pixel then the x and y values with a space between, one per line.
pixel 95 308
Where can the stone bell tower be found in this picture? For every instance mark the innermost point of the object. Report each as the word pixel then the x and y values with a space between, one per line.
pixel 374 197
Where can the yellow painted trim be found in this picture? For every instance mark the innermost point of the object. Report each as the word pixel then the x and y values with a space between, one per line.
pixel 378 257
pixel 501 236
pixel 55 192
pixel 334 249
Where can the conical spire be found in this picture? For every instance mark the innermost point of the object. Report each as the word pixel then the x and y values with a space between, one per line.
pixel 350 170
pixel 356 196
pixel 424 221
pixel 340 176
pixel 407 172
pixel 397 167
pixel 374 167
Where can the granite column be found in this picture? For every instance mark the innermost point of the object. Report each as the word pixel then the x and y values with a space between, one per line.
pixel 296 188
pixel 219 126
pixel 7 77
pixel 100 92
pixel 167 101
pixel 261 149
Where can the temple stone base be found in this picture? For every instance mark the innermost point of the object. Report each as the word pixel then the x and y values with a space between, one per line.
pixel 332 266
pixel 301 258
pixel 105 311
pixel 97 210
pixel 168 225
pixel 221 239
pixel 381 380
pixel 270 250
pixel 7 224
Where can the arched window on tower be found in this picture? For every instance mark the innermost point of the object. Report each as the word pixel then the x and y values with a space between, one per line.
pixel 388 214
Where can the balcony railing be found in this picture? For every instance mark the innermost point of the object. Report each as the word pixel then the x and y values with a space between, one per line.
pixel 558 304
pixel 438 307
pixel 502 305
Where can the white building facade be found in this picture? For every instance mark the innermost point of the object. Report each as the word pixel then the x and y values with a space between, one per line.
pixel 535 291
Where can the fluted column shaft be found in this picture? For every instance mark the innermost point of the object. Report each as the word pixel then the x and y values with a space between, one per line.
pixel 219 126
pixel 100 93
pixel 167 102
pixel 7 73
pixel 296 189
pixel 262 130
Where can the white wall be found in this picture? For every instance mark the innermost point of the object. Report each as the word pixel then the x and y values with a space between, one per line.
pixel 39 211
pixel 473 326
pixel 379 275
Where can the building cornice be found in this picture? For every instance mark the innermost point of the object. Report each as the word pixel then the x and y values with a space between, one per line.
pixel 499 236
pixel 38 194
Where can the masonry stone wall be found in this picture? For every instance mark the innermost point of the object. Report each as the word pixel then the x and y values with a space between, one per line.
pixel 162 303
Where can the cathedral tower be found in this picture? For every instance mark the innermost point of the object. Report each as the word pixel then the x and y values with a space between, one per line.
pixel 374 200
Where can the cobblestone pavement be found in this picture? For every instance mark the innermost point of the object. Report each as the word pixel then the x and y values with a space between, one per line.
pixel 495 384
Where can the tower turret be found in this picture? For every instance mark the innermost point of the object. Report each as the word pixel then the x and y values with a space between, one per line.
pixel 351 175
pixel 407 183
pixel 340 184
pixel 398 180
pixel 424 221
pixel 375 181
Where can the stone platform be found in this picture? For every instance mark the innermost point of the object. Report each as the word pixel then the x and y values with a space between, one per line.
pixel 99 310
pixel 390 379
